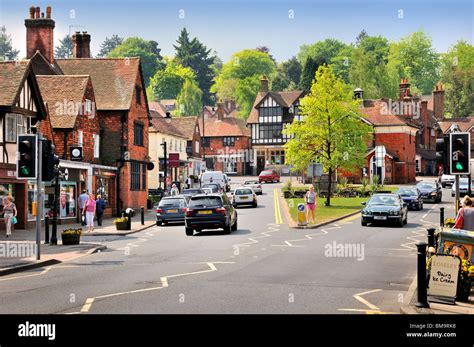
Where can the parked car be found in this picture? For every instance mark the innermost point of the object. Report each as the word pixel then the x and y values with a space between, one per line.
pixel 463 187
pixel 244 196
pixel 171 209
pixel 269 176
pixel 447 180
pixel 213 177
pixel 215 188
pixel 412 197
pixel 227 183
pixel 430 191
pixel 385 208
pixel 210 211
pixel 255 185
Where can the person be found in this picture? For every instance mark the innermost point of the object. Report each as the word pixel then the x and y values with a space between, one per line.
pixel 82 203
pixel 9 211
pixel 89 211
pixel 310 199
pixel 465 218
pixel 100 206
pixel 174 190
pixel 189 182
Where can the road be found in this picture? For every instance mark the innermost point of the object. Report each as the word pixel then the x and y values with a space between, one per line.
pixel 264 267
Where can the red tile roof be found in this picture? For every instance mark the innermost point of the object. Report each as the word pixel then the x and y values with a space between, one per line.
pixel 228 126
pixel 160 110
pixel 12 75
pixel 187 125
pixel 167 126
pixel 374 113
pixel 464 123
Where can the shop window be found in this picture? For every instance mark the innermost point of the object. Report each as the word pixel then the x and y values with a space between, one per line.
pixel 134 176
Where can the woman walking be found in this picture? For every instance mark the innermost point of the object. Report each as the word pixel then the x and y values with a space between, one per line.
pixel 465 218
pixel 89 210
pixel 310 204
pixel 9 211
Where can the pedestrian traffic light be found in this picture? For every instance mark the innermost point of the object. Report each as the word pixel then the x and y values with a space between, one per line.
pixel 442 153
pixel 460 153
pixel 27 149
pixel 50 162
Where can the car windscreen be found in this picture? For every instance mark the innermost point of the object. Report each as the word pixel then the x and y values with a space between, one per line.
pixel 243 192
pixel 407 192
pixel 384 200
pixel 266 173
pixel 205 201
pixel 251 182
pixel 172 203
pixel 426 185
pixel 192 191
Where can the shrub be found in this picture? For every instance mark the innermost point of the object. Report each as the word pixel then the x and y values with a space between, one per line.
pixel 72 231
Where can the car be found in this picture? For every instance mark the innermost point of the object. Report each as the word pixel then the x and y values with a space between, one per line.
pixel 215 188
pixel 269 176
pixel 214 177
pixel 463 187
pixel 210 211
pixel 447 180
pixel 171 209
pixel 412 197
pixel 244 196
pixel 207 190
pixel 385 208
pixel 226 183
pixel 192 191
pixel 430 191
pixel 255 185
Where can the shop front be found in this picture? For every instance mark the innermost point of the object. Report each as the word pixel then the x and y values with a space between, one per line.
pixel 104 184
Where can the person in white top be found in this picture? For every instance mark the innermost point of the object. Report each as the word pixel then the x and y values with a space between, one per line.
pixel 174 190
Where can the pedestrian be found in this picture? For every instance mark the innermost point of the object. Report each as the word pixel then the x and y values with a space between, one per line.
pixel 100 206
pixel 89 211
pixel 174 190
pixel 310 199
pixel 189 182
pixel 9 212
pixel 465 218
pixel 82 203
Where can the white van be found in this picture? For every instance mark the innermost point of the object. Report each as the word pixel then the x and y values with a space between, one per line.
pixel 216 177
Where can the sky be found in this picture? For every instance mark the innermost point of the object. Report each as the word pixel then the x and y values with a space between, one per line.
pixel 228 26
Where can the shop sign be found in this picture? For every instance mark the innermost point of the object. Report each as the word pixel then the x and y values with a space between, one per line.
pixel 173 160
pixel 76 153
pixel 444 276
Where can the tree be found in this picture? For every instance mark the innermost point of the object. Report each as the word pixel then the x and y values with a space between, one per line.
pixel 265 49
pixel 331 130
pixel 148 52
pixel 195 55
pixel 240 78
pixel 109 45
pixel 288 72
pixel 457 74
pixel 189 100
pixel 307 74
pixel 6 48
pixel 64 50
pixel 167 83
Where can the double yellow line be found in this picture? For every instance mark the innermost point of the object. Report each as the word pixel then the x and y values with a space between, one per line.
pixel 278 219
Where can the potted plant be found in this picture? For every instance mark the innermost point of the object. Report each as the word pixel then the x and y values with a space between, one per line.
pixel 121 223
pixel 71 236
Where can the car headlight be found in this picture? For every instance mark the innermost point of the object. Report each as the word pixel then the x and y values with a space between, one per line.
pixel 394 212
pixel 433 193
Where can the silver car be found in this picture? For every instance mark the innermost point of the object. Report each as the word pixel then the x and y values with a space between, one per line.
pixel 255 185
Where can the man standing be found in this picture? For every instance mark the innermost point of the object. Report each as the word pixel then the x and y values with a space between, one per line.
pixel 83 198
pixel 189 182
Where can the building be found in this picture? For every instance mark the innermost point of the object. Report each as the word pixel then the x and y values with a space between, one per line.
pixel 270 112
pixel 191 129
pixel 226 142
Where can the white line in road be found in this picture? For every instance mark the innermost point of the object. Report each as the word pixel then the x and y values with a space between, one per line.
pixel 359 297
pixel 307 237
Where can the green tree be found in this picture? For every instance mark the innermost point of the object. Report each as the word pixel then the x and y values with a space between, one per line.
pixel 195 55
pixel 331 131
pixel 189 100
pixel 148 52
pixel 288 72
pixel 6 48
pixel 240 78
pixel 457 74
pixel 308 73
pixel 167 83
pixel 109 45
pixel 64 50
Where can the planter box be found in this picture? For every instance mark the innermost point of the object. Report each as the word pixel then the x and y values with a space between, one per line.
pixel 121 226
pixel 70 239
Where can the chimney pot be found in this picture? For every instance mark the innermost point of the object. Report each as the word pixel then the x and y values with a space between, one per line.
pixel 42 14
pixel 264 84
pixel 37 13
pixel 32 12
pixel 48 12
pixel 220 110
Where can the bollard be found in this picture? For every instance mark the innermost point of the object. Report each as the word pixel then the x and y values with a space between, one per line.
pixel 431 238
pixel 422 294
pixel 54 232
pixel 441 216
pixel 46 230
pixel 143 215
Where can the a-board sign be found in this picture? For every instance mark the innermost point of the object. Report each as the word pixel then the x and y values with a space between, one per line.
pixel 444 276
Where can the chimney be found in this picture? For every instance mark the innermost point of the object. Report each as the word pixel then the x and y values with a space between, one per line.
pixel 168 115
pixel 264 84
pixel 358 94
pixel 81 43
pixel 404 89
pixel 220 111
pixel 438 101
pixel 39 33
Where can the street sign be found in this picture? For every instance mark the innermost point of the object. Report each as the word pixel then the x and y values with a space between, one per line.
pixel 444 276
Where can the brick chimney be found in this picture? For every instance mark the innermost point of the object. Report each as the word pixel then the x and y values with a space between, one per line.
pixel 39 33
pixel 81 45
pixel 438 101
pixel 264 84
pixel 220 111
pixel 404 89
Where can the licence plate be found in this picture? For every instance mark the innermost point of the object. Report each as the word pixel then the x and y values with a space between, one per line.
pixel 243 197
pixel 204 212
pixel 172 211
pixel 380 217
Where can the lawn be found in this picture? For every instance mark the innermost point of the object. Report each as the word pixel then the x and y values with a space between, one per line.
pixel 339 207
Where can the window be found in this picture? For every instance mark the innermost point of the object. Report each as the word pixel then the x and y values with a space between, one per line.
pixel 206 142
pixel 88 107
pixel 196 145
pixel 277 157
pixel 134 176
pixel 138 95
pixel 144 170
pixel 80 138
pixel 228 141
pixel 138 134
pixel 10 127
pixel 96 146
pixel 270 131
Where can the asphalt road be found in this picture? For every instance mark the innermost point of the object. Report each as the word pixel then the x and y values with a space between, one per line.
pixel 264 267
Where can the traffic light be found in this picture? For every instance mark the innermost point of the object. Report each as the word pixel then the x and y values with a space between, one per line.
pixel 27 149
pixel 460 153
pixel 50 162
pixel 442 155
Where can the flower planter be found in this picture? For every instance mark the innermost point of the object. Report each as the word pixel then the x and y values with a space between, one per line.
pixel 70 239
pixel 121 226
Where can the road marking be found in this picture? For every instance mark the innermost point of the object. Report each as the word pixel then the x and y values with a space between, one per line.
pixel 278 219
pixel 414 241
pixel 307 237
pixel 359 297
pixel 367 311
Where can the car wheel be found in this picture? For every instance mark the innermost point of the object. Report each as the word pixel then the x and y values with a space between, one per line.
pixel 254 205
pixel 158 224
pixel 400 222
pixel 278 181
pixel 363 223
pixel 420 206
pixel 405 221
pixel 165 223
pixel 227 229
pixel 234 227
pixel 189 231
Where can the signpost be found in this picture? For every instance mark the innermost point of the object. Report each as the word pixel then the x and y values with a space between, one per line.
pixel 444 277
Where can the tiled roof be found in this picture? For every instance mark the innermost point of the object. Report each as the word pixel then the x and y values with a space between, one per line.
pixel 113 79
pixel 187 125
pixel 58 92
pixel 12 74
pixel 373 110
pixel 228 126
pixel 464 123
pixel 167 126
pixel 159 109
pixel 284 99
